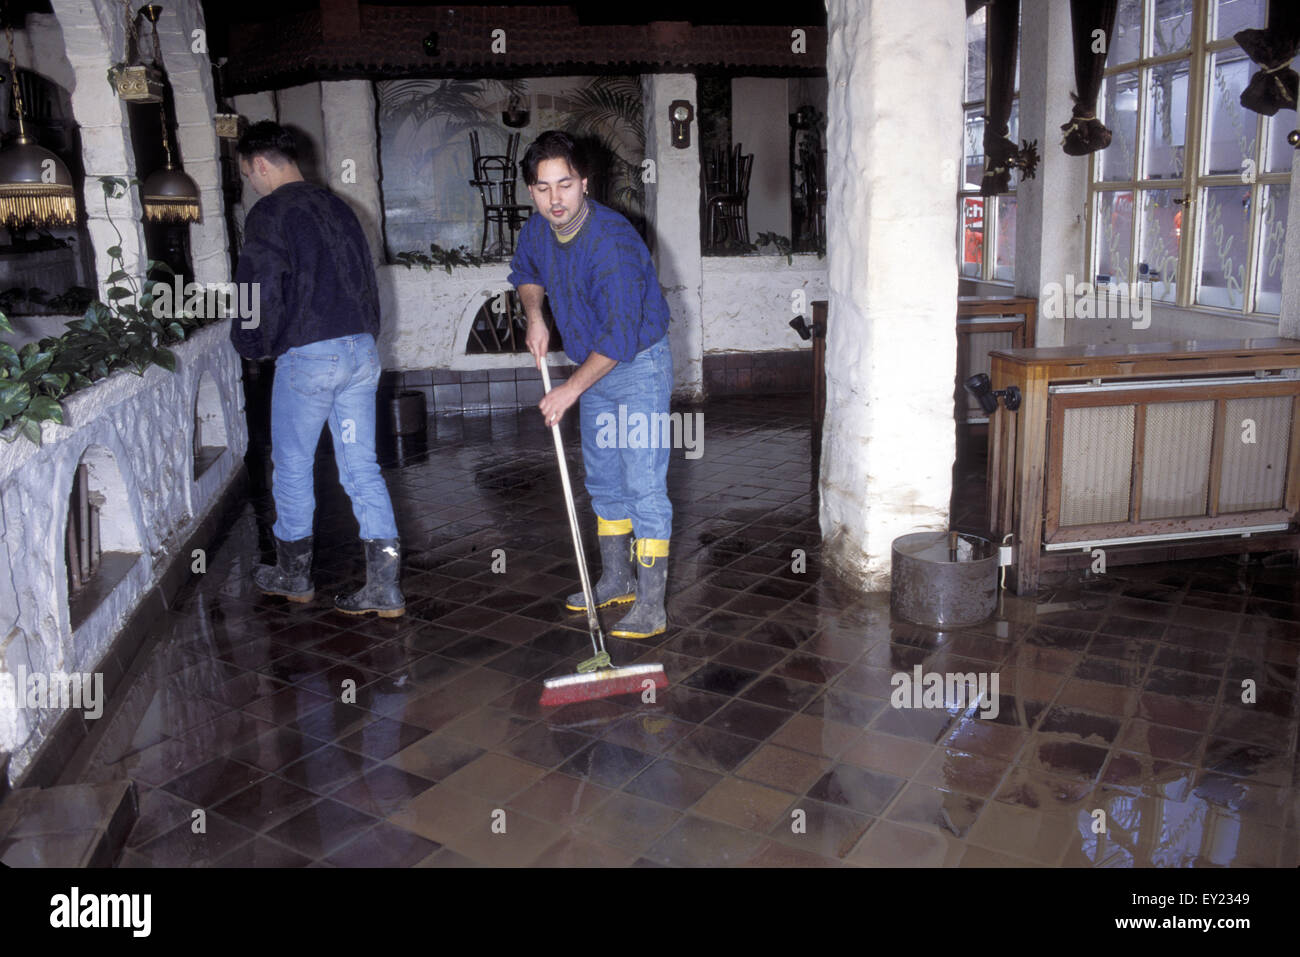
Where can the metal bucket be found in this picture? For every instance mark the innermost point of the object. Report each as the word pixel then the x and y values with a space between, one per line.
pixel 409 415
pixel 937 585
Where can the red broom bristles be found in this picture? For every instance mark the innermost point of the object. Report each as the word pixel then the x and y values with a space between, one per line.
pixel 602 684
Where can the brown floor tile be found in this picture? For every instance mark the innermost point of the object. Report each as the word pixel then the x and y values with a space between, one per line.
pixel 560 799
pixel 744 804
pixel 495 777
pixel 890 844
pixel 672 783
pixel 821 829
pixel 628 822
pixel 783 769
pixel 921 805
pixel 1020 832
pixel 971 774
pixel 321 829
pixel 383 846
pixel 1039 790
pixel 435 757
pixel 779 855
pixel 572 851
pixel 443 813
pixel 383 790
pixel 696 842
pixel 885 752
pixel 265 804
pixel 817 736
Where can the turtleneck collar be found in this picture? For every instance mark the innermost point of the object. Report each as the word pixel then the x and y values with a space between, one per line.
pixel 567 232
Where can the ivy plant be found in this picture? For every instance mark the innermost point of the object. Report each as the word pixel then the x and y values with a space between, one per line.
pixel 122 333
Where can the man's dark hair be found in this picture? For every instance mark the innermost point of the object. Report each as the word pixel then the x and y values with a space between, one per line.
pixel 553 144
pixel 268 139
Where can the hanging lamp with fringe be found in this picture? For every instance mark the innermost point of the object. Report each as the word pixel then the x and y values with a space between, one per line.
pixel 169 195
pixel 35 185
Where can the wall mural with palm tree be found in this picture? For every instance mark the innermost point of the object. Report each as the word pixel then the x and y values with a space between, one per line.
pixel 426 158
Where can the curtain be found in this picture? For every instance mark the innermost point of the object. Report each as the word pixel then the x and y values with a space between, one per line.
pixel 1000 153
pixel 1085 133
pixel 1274 87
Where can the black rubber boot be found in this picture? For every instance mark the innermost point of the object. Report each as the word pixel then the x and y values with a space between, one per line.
pixel 647 616
pixel 380 594
pixel 617 585
pixel 290 576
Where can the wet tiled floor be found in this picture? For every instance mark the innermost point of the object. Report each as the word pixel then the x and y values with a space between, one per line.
pixel 310 738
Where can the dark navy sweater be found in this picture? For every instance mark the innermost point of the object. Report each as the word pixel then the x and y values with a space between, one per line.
pixel 601 284
pixel 305 248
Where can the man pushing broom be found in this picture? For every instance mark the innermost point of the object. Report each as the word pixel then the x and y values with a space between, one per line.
pixel 605 296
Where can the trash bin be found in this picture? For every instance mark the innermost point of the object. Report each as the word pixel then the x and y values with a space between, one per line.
pixel 943 579
pixel 409 415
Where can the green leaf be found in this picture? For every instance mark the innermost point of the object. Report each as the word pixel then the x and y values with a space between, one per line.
pixel 42 407
pixel 14 397
pixel 30 428
pixel 9 357
pixel 165 358
pixel 117 275
pixel 4 324
pixel 176 330
pixel 80 381
pixel 157 265
pixel 118 292
pixel 114 252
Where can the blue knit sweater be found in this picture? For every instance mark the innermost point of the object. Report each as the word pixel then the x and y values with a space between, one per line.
pixel 601 284
pixel 305 249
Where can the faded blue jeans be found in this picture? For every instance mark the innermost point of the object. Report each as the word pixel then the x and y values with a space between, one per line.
pixel 625 481
pixel 330 381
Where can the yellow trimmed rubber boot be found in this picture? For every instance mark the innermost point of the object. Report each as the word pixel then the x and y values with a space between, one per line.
pixel 617 585
pixel 647 616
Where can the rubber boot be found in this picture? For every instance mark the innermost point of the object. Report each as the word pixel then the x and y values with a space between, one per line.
pixel 380 593
pixel 647 616
pixel 290 576
pixel 617 585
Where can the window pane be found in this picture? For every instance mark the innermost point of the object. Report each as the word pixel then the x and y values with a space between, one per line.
pixel 1222 268
pixel 1268 294
pixel 1114 234
pixel 972 235
pixel 1119 106
pixel 1126 43
pixel 975 55
pixel 973 150
pixel 1172 28
pixel 1166 120
pixel 1280 152
pixel 1230 139
pixel 1162 226
pixel 1005 266
pixel 1229 16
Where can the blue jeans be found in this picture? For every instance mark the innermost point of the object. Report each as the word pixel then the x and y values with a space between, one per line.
pixel 624 481
pixel 329 381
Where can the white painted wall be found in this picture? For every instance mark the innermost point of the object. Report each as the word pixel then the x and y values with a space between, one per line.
pixel 146 424
pixel 750 300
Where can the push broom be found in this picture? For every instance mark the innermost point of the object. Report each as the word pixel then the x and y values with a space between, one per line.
pixel 597 677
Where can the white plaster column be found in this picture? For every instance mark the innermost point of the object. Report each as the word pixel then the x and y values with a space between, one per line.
pixel 895 71
pixel 253 107
pixel 673 217
pixel 1289 320
pixel 1049 208
pixel 190 74
pixel 95 37
pixel 350 160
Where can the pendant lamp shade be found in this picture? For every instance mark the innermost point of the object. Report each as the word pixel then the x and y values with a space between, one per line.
pixel 35 187
pixel 170 196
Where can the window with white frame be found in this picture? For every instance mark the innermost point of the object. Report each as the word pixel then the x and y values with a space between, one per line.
pixel 1191 195
pixel 986 248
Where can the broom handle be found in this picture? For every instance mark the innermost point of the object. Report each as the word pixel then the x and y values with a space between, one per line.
pixel 593 623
